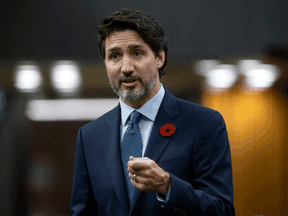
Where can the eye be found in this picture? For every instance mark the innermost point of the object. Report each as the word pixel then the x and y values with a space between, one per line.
pixel 138 53
pixel 114 56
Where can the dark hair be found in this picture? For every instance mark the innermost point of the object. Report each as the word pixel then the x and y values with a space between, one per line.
pixel 146 26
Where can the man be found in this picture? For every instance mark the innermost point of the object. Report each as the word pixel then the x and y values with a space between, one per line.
pixel 183 166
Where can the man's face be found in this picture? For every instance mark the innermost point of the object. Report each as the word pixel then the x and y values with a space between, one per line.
pixel 132 67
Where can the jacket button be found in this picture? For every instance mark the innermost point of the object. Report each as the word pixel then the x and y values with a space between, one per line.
pixel 181 211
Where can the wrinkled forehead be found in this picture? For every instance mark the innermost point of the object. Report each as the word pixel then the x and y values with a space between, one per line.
pixel 124 39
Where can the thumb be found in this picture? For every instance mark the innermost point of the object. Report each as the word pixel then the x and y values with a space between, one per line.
pixel 131 158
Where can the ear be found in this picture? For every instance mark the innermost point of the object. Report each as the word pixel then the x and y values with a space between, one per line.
pixel 160 59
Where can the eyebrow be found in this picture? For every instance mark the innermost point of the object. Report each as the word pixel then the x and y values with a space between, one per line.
pixel 132 46
pixel 114 49
pixel 135 46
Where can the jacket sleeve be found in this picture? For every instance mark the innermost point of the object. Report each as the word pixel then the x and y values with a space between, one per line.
pixel 82 199
pixel 211 190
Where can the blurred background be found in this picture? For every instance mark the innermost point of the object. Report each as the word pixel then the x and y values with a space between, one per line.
pixel 231 56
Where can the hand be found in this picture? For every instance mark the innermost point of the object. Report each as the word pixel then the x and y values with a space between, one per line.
pixel 149 176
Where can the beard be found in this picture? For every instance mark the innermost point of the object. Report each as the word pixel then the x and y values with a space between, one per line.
pixel 131 95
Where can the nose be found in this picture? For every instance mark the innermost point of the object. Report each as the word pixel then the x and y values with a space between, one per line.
pixel 127 65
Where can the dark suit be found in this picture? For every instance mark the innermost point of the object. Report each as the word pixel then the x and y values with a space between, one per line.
pixel 197 157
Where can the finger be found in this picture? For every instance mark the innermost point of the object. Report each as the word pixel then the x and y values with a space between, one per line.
pixel 147 176
pixel 138 158
pixel 138 178
pixel 140 163
pixel 137 185
pixel 141 186
pixel 131 158
pixel 131 176
pixel 140 172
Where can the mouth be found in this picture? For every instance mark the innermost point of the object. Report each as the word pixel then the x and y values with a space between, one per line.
pixel 129 82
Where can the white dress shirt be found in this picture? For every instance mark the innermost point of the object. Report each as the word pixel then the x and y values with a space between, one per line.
pixel 149 112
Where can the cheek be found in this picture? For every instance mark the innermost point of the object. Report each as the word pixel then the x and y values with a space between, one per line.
pixel 149 71
pixel 111 72
pixel 110 69
pixel 111 76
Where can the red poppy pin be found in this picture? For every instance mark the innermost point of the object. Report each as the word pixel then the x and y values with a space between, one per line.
pixel 167 130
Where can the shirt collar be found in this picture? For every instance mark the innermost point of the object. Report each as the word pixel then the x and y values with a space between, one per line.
pixel 149 109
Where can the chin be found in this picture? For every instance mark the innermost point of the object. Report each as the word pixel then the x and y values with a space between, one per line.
pixel 135 92
pixel 132 95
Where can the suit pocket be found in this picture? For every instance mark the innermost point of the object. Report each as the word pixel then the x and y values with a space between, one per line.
pixel 171 162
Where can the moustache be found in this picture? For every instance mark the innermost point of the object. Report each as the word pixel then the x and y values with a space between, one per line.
pixel 129 78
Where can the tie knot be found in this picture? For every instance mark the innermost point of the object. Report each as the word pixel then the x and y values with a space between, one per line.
pixel 135 117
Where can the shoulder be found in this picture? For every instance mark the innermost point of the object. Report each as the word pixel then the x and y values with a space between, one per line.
pixel 188 111
pixel 197 113
pixel 174 104
pixel 102 122
pixel 197 109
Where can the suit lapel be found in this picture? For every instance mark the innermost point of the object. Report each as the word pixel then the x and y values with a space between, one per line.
pixel 111 145
pixel 157 143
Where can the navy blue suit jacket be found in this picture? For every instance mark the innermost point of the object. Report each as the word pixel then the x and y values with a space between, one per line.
pixel 197 157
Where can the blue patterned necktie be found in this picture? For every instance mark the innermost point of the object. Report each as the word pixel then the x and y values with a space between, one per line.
pixel 131 146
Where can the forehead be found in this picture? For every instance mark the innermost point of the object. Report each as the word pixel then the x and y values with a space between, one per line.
pixel 122 40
